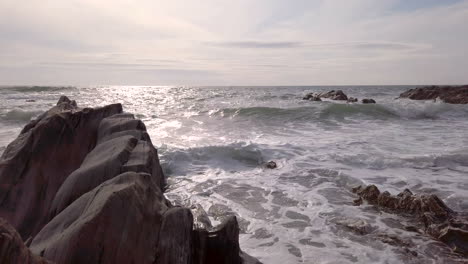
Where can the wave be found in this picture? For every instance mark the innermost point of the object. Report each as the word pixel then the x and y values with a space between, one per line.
pixel 36 89
pixel 232 157
pixel 17 115
pixel 377 161
pixel 340 111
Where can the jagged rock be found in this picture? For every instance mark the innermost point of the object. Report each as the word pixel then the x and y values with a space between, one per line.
pixel 34 166
pixel 438 220
pixel 448 94
pixel 271 165
pixel 176 237
pixel 334 95
pixel 116 222
pixel 220 246
pixel 368 101
pixel 105 176
pixel 352 100
pixel 12 249
pixel 312 97
pixel 201 218
pixel 144 157
pixel 104 162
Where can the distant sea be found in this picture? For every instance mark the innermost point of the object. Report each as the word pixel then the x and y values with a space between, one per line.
pixel 212 142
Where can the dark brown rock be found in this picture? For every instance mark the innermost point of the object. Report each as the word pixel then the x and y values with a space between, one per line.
pixel 220 246
pixel 431 213
pixel 312 97
pixel 96 198
pixel 176 237
pixel 271 165
pixel 34 166
pixel 448 94
pixel 334 95
pixel 352 100
pixel 368 101
pixel 104 162
pixel 117 222
pixel 12 249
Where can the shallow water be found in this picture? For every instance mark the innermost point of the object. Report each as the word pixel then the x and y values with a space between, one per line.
pixel 213 140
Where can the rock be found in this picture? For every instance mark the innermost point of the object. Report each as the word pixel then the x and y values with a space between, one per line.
pixel 271 165
pixel 116 222
pixel 352 100
pixel 448 94
pixel 34 166
pixel 85 186
pixel 12 249
pixel 104 162
pixel 201 218
pixel 334 95
pixel 176 237
pixel 368 101
pixel 30 100
pixel 436 218
pixel 220 246
pixel 312 97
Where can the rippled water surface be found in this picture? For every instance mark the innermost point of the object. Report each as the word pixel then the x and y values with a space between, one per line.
pixel 213 141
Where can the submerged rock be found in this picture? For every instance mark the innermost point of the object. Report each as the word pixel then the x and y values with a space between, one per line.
pixel 271 165
pixel 448 94
pixel 368 101
pixel 436 218
pixel 352 100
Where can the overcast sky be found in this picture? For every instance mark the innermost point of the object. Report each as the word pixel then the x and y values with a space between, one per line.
pixel 235 42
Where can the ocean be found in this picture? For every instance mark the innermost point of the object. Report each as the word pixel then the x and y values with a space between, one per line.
pixel 213 142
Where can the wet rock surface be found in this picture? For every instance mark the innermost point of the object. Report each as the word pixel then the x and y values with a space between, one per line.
pixel 12 248
pixel 86 186
pixel 368 101
pixel 448 94
pixel 333 95
pixel 429 211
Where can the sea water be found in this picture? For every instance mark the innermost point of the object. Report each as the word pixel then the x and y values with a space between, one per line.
pixel 213 141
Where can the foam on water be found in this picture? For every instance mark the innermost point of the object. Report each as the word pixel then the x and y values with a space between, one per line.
pixel 213 141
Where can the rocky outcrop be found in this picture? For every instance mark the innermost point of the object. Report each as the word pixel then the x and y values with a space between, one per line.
pixel 312 97
pixel 92 190
pixel 448 94
pixel 34 166
pixel 436 219
pixel 12 248
pixel 333 95
pixel 116 222
pixel 368 101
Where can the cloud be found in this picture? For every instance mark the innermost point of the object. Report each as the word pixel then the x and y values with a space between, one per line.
pixel 234 42
pixel 258 44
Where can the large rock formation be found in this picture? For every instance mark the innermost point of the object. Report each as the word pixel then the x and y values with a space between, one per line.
pixel 87 186
pixel 448 94
pixel 437 220
pixel 34 165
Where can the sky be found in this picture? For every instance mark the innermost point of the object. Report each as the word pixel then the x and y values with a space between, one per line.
pixel 240 42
